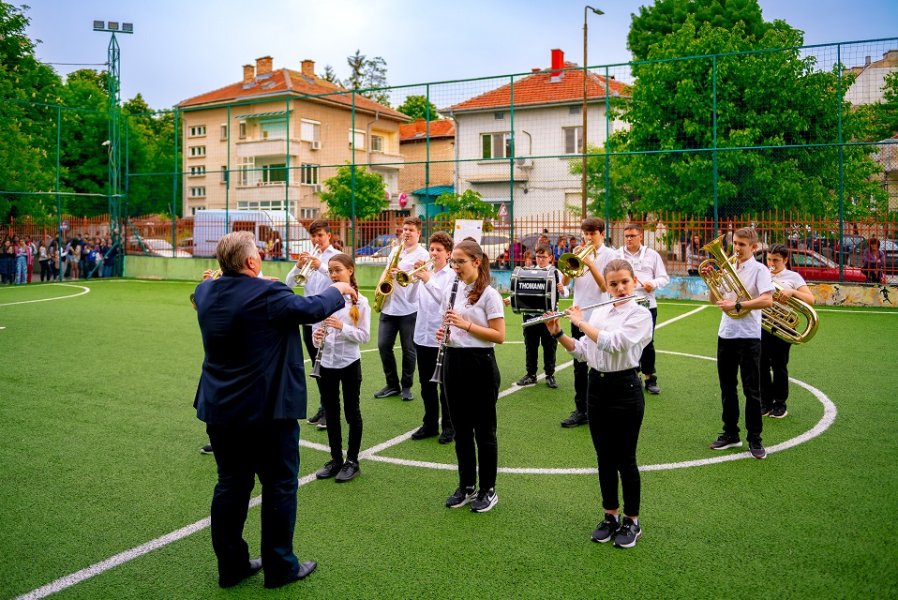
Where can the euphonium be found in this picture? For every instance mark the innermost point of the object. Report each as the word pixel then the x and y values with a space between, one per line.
pixel 385 284
pixel 574 265
pixel 302 276
pixel 783 318
pixel 405 278
pixel 722 278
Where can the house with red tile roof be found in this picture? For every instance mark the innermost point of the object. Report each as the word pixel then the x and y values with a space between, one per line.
pixel 429 152
pixel 270 140
pixel 867 87
pixel 525 168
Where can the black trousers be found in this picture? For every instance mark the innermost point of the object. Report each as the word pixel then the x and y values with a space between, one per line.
pixel 581 377
pixel 433 394
pixel 774 370
pixel 472 389
pixel 534 337
pixel 312 352
pixel 647 361
pixel 404 326
pixel 740 357
pixel 271 451
pixel 616 408
pixel 350 377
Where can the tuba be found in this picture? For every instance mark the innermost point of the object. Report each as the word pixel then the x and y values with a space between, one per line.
pixel 574 265
pixel 405 278
pixel 385 285
pixel 784 318
pixel 723 279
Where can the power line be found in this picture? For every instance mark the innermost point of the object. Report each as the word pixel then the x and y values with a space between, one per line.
pixel 76 64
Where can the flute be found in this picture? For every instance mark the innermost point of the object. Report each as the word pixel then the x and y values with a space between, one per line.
pixel 639 299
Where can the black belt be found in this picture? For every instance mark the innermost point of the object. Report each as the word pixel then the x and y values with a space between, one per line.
pixel 614 374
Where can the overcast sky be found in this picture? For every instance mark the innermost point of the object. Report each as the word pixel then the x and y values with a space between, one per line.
pixel 180 49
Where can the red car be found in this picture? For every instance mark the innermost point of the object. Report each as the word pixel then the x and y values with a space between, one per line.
pixel 816 267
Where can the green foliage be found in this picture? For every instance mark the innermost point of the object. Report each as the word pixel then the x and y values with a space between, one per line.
pixel 331 75
pixel 622 177
pixel 355 192
pixel 882 117
pixel 150 140
pixel 467 205
pixel 419 107
pixel 366 73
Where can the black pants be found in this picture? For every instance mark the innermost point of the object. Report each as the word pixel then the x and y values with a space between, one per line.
pixel 404 326
pixel 647 361
pixel 271 451
pixel 46 272
pixel 350 377
pixel 433 394
pixel 774 371
pixel 534 337
pixel 581 377
pixel 472 389
pixel 740 357
pixel 616 408
pixel 313 352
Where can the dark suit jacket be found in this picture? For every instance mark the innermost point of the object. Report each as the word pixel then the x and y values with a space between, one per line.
pixel 253 369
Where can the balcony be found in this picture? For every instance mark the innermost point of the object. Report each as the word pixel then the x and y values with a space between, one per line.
pixel 271 191
pixel 383 160
pixel 269 147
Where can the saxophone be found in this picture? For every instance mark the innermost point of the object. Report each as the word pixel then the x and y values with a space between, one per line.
pixel 385 284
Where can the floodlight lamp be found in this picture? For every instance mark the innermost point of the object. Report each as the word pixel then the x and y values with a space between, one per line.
pixel 128 27
pixel 112 25
pixel 595 10
pixel 99 25
pixel 106 143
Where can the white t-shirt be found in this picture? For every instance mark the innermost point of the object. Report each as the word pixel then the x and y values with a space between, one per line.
pixel 757 280
pixel 397 304
pixel 586 290
pixel 488 306
pixel 789 279
pixel 430 297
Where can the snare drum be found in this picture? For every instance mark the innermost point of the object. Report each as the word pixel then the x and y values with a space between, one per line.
pixel 533 291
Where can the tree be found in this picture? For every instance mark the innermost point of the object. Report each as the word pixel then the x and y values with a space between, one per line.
pixel 467 205
pixel 367 73
pixel 355 192
pixel 331 75
pixel 150 142
pixel 419 107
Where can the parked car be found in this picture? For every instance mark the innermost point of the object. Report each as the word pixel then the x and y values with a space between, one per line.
pixel 376 244
pixel 380 256
pixel 890 248
pixel 155 247
pixel 813 266
pixel 494 246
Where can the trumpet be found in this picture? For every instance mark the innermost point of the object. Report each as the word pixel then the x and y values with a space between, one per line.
pixel 548 317
pixel 405 278
pixel 574 265
pixel 302 276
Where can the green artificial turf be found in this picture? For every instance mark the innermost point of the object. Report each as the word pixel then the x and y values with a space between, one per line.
pixel 98 455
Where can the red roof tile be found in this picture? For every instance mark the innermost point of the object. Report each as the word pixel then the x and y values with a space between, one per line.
pixel 282 82
pixel 538 89
pixel 418 129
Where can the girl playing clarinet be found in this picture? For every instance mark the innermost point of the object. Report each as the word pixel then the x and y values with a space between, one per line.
pixel 338 338
pixel 471 376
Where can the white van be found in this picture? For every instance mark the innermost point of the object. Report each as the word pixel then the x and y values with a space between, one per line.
pixel 210 225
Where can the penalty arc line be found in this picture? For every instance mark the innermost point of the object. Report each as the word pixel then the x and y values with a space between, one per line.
pixel 84 290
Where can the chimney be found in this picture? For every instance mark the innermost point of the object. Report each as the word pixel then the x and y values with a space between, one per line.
pixel 557 64
pixel 263 65
pixel 249 73
pixel 308 68
pixel 867 61
pixel 535 70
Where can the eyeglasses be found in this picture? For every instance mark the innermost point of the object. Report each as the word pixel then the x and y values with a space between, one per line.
pixel 631 235
pixel 457 261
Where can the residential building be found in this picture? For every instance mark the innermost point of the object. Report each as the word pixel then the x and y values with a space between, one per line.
pixel 429 152
pixel 868 85
pixel 270 141
pixel 529 172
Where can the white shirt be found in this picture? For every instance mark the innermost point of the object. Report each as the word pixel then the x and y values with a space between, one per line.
pixel 319 279
pixel 488 306
pixel 430 298
pixel 586 290
pixel 397 304
pixel 623 333
pixel 648 267
pixel 341 346
pixel 788 279
pixel 757 280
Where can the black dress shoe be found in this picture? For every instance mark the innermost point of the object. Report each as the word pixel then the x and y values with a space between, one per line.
pixel 407 394
pixel 423 432
pixel 386 392
pixel 255 566
pixel 304 570
pixel 447 437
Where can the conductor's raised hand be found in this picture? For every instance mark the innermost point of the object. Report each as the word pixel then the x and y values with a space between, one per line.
pixel 346 289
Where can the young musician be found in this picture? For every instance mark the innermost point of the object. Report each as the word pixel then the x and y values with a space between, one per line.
pixel 318 280
pixel 537 335
pixel 471 375
pixel 589 288
pixel 398 317
pixel 612 342
pixel 428 292
pixel 651 275
pixel 338 338
pixel 739 347
pixel 774 351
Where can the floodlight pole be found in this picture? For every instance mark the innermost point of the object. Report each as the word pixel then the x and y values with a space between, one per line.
pixel 585 75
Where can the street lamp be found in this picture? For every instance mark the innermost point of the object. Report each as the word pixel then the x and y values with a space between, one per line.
pixel 585 74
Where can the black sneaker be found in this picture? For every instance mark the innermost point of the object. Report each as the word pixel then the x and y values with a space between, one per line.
pixel 550 381
pixel 757 449
pixel 423 432
pixel 407 394
pixel 461 497
pixel 330 468
pixel 447 437
pixel 778 413
pixel 765 410
pixel 207 449
pixel 316 417
pixel 322 423
pixel 606 529
pixel 349 471
pixel 526 380
pixel 577 418
pixel 386 392
pixel 725 441
pixel 628 533
pixel 651 386
pixel 486 500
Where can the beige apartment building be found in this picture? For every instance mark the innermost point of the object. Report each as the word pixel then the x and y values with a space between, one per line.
pixel 429 151
pixel 270 141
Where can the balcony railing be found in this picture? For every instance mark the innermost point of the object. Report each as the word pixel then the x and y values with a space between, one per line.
pixel 268 147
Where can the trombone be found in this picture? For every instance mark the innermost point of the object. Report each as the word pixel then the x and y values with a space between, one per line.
pixel 405 278
pixel 302 276
pixel 574 265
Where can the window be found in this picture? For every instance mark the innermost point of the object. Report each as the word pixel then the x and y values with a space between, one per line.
pixel 575 110
pixel 377 143
pixel 198 171
pixel 496 145
pixel 196 131
pixel 264 205
pixel 275 173
pixel 198 192
pixel 308 173
pixel 308 213
pixel 357 136
pixel 499 116
pixel 193 209
pixel 224 131
pixel 310 131
pixel 573 139
pixel 224 173
pixel 197 151
pixel 274 130
pixel 241 132
pixel 247 172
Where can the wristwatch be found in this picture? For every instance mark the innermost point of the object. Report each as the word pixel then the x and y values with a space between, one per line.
pixel 738 307
pixel 558 335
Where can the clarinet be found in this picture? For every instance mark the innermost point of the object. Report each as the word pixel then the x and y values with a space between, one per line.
pixel 316 368
pixel 438 371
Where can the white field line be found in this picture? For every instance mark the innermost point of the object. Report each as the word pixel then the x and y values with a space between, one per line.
pixel 84 290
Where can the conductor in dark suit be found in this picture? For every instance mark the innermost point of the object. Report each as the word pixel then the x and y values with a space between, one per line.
pixel 251 392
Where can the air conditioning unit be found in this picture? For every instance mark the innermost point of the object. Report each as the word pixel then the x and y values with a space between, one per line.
pixel 316 145
pixel 524 163
pixel 317 187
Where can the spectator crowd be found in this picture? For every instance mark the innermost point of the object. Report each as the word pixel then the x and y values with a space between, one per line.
pixel 78 257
